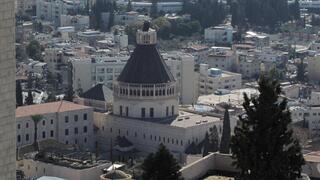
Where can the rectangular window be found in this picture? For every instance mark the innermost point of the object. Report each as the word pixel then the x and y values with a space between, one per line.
pixel 120 110
pixel 151 112
pixel 75 118
pixel 85 129
pixel 127 111
pixel 43 134
pixel 85 116
pixel 27 137
pixel 66 132
pixel 51 133
pixel 76 130
pixel 66 119
pixel 167 111
pixel 143 112
pixel 172 110
pixel 51 121
pixel 19 138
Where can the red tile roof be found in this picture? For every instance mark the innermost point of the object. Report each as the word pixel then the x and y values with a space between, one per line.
pixel 46 108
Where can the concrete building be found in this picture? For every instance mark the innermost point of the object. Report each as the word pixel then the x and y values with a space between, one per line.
pixel 62 121
pixel 212 79
pixel 79 22
pixel 145 106
pixel 87 72
pixel 7 98
pixel 219 34
pixel 181 66
pixel 167 7
pixel 259 40
pixel 51 10
pixel 131 17
pixel 221 58
pixel 247 65
pixel 313 68
pixel 23 6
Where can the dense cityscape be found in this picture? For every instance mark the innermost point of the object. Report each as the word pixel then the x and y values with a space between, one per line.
pixel 160 89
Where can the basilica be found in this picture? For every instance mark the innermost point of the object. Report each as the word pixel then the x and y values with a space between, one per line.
pixel 146 107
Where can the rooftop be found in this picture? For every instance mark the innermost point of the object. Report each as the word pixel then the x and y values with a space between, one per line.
pixel 52 107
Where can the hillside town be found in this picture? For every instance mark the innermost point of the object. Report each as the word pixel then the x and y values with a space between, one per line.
pixel 122 89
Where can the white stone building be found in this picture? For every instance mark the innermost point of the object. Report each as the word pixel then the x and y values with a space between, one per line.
pixel 212 79
pixel 7 98
pixel 51 10
pixel 131 17
pixel 23 6
pixel 219 34
pixel 145 106
pixel 62 121
pixel 168 7
pixel 87 72
pixel 79 22
pixel 221 58
pixel 313 68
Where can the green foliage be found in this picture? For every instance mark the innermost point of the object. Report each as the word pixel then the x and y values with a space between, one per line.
pixel 99 7
pixel 129 6
pixel 263 146
pixel 154 9
pixel 19 98
pixel 36 119
pixel 131 31
pixel 211 141
pixel 69 94
pixel 270 13
pixel 161 165
pixel 226 134
pixel 207 12
pixel 29 98
pixel 301 77
pixel 34 50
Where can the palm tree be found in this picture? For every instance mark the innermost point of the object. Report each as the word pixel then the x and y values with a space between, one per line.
pixel 36 119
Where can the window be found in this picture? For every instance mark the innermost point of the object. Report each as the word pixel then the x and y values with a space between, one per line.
pixel 66 119
pixel 85 140
pixel 27 137
pixel 151 112
pixel 43 134
pixel 27 125
pixel 18 126
pixel 75 130
pixel 85 129
pixel 19 138
pixel 51 133
pixel 67 142
pixel 172 110
pixel 120 110
pixel 76 141
pixel 43 122
pixel 167 111
pixel 143 112
pixel 51 121
pixel 135 134
pixel 85 116
pixel 127 111
pixel 111 130
pixel 75 118
pixel 66 132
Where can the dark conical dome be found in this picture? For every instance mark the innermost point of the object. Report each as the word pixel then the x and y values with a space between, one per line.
pixel 146 66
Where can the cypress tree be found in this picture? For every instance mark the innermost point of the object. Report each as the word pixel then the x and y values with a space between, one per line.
pixel 161 165
pixel 301 72
pixel 154 9
pixel 262 145
pixel 226 134
pixel 129 6
pixel 29 99
pixel 206 145
pixel 19 98
pixel 214 139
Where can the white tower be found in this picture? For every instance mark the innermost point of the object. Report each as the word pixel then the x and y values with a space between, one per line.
pixel 146 88
pixel 7 95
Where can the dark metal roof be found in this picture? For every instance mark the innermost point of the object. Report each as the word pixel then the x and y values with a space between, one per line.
pixel 146 66
pixel 99 92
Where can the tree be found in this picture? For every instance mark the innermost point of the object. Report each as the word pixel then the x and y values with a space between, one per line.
pixel 294 10
pixel 154 9
pixel 129 6
pixel 29 98
pixel 161 165
pixel 69 94
pixel 262 145
pixel 34 50
pixel 19 98
pixel 226 133
pixel 36 119
pixel 214 139
pixel 206 144
pixel 301 72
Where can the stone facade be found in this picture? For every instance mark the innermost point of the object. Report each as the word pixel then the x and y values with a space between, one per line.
pixel 7 98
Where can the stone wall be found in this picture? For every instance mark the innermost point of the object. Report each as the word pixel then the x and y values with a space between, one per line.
pixel 7 91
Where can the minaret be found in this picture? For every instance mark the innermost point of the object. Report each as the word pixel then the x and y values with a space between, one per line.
pixel 146 88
